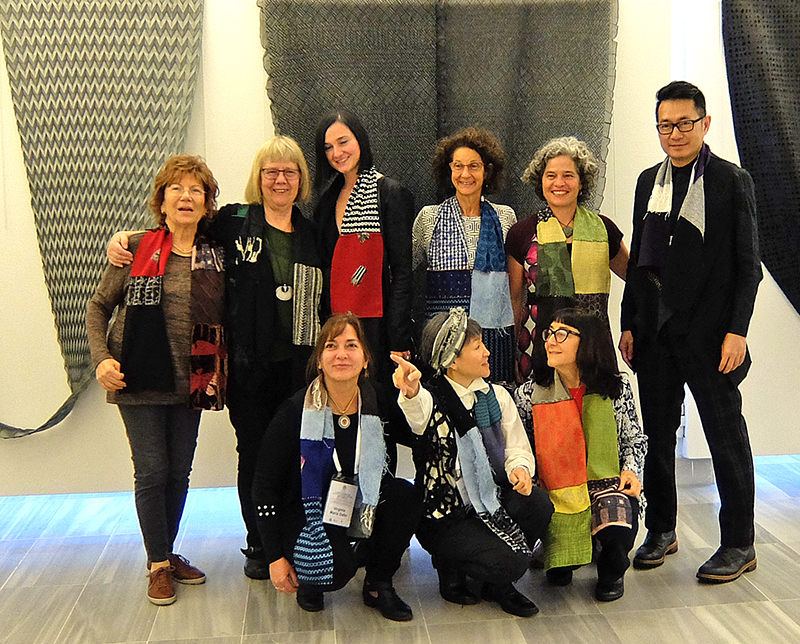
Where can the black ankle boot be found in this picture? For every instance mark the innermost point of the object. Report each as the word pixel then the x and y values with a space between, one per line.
pixel 386 600
pixel 453 587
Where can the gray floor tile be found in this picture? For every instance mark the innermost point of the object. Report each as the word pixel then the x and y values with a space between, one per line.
pixel 26 517
pixel 35 615
pixel 58 562
pixel 309 637
pixel 670 625
pixel 506 631
pixel 764 623
pixel 408 633
pixel 87 515
pixel 11 554
pixel 778 571
pixel 110 613
pixel 575 629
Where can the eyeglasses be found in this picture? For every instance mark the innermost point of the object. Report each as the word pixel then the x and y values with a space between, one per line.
pixel 458 167
pixel 177 190
pixel 272 174
pixel 561 334
pixel 683 126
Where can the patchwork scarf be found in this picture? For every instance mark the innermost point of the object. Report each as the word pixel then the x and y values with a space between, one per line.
pixel 483 288
pixel 146 355
pixel 479 443
pixel 689 230
pixel 577 457
pixel 357 263
pixel 313 554
pixel 252 307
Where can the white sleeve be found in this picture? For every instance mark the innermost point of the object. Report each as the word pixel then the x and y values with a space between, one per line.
pixel 518 448
pixel 417 410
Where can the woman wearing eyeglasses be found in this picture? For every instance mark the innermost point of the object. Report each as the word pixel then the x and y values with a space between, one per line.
pixel 458 245
pixel 163 360
pixel 273 293
pixel 563 255
pixel 364 221
pixel 581 418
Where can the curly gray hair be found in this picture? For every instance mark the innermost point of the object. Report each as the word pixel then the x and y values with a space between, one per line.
pixel 569 146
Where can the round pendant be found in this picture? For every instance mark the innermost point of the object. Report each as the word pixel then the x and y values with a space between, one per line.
pixel 344 421
pixel 284 292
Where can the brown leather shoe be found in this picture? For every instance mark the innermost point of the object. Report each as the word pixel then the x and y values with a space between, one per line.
pixel 184 572
pixel 159 589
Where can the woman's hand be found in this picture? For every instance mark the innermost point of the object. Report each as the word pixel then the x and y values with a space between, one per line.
pixel 521 480
pixel 629 483
pixel 406 377
pixel 109 375
pixel 283 576
pixel 118 253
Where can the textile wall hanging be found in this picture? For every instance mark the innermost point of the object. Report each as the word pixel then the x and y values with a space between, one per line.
pixel 102 92
pixel 418 70
pixel 762 53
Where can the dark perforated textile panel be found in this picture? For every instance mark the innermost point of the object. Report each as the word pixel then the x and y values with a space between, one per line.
pixel 418 70
pixel 102 93
pixel 762 53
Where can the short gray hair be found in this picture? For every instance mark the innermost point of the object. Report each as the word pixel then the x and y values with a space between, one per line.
pixel 565 146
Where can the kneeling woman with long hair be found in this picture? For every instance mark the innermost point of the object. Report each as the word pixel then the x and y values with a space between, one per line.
pixel 590 450
pixel 324 479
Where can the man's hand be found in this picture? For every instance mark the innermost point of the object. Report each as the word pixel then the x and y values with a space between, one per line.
pixel 629 483
pixel 521 479
pixel 626 347
pixel 118 253
pixel 406 376
pixel 734 350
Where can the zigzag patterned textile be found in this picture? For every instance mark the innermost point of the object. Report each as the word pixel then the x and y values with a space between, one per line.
pixel 418 70
pixel 102 92
pixel 762 41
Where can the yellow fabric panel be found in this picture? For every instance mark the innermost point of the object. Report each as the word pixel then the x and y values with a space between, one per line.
pixel 570 500
pixel 549 232
pixel 590 267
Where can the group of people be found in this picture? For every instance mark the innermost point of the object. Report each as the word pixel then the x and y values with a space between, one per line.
pixel 335 338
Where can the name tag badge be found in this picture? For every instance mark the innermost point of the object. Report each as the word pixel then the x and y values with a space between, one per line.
pixel 462 490
pixel 340 502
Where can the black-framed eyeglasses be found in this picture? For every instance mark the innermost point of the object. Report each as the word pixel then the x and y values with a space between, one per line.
pixel 561 334
pixel 683 126
pixel 272 174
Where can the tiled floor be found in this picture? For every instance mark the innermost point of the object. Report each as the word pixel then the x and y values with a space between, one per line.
pixel 72 571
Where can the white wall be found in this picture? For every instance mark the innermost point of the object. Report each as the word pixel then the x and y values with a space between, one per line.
pixel 88 451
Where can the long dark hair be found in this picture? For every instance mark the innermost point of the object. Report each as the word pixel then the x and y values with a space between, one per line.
pixel 596 359
pixel 325 172
pixel 334 326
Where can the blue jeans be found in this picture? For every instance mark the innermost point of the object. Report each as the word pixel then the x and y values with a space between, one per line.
pixel 162 439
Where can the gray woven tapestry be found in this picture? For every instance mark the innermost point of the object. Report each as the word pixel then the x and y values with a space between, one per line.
pixel 418 70
pixel 762 54
pixel 102 92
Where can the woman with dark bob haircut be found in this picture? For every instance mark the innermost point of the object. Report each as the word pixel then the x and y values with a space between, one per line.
pixel 458 245
pixel 273 299
pixel 563 255
pixel 590 449
pixel 338 434
pixel 364 221
pixel 164 359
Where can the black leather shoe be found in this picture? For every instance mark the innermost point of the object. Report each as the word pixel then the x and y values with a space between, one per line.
pixel 255 565
pixel 610 592
pixel 453 587
pixel 727 564
pixel 559 576
pixel 310 600
pixel 656 546
pixel 386 601
pixel 510 599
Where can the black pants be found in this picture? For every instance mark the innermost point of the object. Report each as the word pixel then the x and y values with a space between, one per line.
pixel 396 519
pixel 467 543
pixel 662 371
pixel 250 414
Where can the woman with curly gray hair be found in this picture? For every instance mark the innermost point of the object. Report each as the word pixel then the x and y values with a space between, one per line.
pixel 563 255
pixel 458 245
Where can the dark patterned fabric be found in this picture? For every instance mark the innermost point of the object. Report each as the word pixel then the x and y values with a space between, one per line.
pixel 762 40
pixel 418 70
